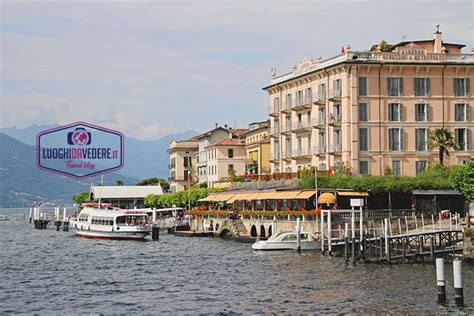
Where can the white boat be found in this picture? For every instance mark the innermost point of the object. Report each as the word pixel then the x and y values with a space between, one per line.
pixel 287 241
pixel 3 217
pixel 111 223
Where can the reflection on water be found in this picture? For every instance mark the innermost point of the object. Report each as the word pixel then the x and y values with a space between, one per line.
pixel 48 271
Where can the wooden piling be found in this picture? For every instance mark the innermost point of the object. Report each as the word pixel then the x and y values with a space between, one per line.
pixel 440 280
pixel 346 242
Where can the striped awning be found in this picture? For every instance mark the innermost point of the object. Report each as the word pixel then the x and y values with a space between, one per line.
pixel 353 193
pixel 217 198
pixel 305 195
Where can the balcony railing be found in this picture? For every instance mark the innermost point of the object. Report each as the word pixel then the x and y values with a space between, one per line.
pixel 287 155
pixel 334 118
pixel 335 148
pixel 298 126
pixel 275 156
pixel 302 152
pixel 274 110
pixel 320 122
pixel 335 95
pixel 319 150
pixel 286 128
pixel 274 131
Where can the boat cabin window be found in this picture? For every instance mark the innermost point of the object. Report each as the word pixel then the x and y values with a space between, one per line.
pixel 293 237
pixel 101 220
pixel 130 220
pixel 83 217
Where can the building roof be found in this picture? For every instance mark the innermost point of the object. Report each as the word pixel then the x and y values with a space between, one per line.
pixel 121 192
pixel 228 142
pixel 404 43
pixel 239 131
pixel 209 132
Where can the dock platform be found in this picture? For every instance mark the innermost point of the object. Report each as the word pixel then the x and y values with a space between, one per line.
pixel 194 233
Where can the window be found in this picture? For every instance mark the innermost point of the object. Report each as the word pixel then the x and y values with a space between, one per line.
pixel 363 167
pixel 185 174
pixel 461 87
pixel 337 140
pixel 309 96
pixel 421 137
pixel 422 87
pixel 363 139
pixel 276 104
pixel 395 112
pixel 230 152
pixel 336 87
pixel 395 139
pixel 288 145
pixel 322 141
pixel 230 169
pixel 299 98
pixel 288 123
pixel 462 138
pixel 362 86
pixel 363 115
pixel 395 87
pixel 396 167
pixel 322 92
pixel 308 118
pixel 461 113
pixel 421 166
pixel 422 112
pixel 336 111
pixel 187 162
pixel 321 116
pixel 288 101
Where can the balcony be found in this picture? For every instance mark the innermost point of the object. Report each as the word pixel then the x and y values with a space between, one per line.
pixel 287 155
pixel 319 151
pixel 320 99
pixel 334 119
pixel 286 129
pixel 275 131
pixel 335 95
pixel 335 149
pixel 286 108
pixel 171 166
pixel 302 153
pixel 275 157
pixel 320 123
pixel 251 162
pixel 302 126
pixel 274 110
pixel 305 104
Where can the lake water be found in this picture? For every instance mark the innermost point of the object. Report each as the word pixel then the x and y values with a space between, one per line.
pixel 49 272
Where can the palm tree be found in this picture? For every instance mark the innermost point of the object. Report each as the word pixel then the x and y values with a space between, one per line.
pixel 442 139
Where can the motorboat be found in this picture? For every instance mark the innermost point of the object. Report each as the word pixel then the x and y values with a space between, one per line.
pixel 288 241
pixel 111 223
pixel 4 217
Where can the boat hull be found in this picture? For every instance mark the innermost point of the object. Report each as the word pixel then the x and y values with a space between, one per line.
pixel 276 245
pixel 112 235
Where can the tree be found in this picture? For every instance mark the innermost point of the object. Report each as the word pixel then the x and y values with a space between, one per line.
pixel 443 140
pixel 462 178
pixel 119 182
pixel 383 46
pixel 80 198
pixel 155 181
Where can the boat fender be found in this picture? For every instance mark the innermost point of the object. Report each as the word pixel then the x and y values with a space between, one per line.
pixel 316 237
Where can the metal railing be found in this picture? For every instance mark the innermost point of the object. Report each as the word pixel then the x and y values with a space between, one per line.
pixel 319 150
pixel 301 125
pixel 335 148
pixel 301 152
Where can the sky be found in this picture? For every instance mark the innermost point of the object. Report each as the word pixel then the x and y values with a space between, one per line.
pixel 152 68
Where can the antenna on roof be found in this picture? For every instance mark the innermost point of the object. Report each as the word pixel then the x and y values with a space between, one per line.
pixel 404 37
pixel 437 28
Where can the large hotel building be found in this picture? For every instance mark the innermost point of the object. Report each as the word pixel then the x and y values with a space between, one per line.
pixel 373 110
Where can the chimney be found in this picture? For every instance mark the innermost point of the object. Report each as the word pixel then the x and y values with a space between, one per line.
pixel 438 41
pixel 217 125
pixel 225 126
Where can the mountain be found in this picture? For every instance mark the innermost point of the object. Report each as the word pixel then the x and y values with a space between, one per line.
pixel 23 184
pixel 143 159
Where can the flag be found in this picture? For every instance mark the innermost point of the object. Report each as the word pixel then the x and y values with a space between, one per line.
pixel 190 172
pixel 342 50
pixel 330 171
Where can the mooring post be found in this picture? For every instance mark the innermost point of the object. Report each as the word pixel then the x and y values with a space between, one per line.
pixel 432 221
pixel 456 219
pixel 458 287
pixel 30 214
pixel 432 249
pixel 422 222
pixel 390 226
pixel 381 247
pixel 450 221
pixel 329 232
pixel 399 226
pixel 361 230
pixel 298 235
pixel 406 224
pixel 353 246
pixel 322 231
pixel 346 242
pixel 416 222
pixel 441 282
pixel 155 232
pixel 386 238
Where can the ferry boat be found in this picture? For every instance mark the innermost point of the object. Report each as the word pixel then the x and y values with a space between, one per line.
pixel 111 223
pixel 287 241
